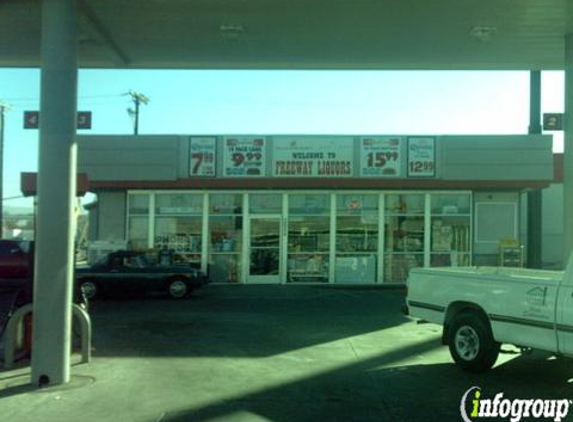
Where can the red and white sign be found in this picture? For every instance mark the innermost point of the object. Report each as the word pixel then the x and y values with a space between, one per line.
pixel 313 156
pixel 244 156
pixel 381 156
pixel 422 156
pixel 202 156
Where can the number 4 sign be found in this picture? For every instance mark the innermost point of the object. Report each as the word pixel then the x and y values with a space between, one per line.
pixel 421 157
pixel 32 120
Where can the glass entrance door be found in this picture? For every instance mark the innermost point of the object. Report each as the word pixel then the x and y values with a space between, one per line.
pixel 265 249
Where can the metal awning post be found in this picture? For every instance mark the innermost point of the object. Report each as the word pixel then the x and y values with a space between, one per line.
pixel 534 198
pixel 56 194
pixel 568 152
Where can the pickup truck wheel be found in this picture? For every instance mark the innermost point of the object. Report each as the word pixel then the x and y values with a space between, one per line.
pixel 88 289
pixel 178 288
pixel 471 343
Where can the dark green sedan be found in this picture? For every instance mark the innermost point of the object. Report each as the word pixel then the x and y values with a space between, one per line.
pixel 127 272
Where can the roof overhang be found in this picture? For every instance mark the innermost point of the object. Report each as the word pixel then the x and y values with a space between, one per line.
pixel 304 183
pixel 311 34
pixel 29 184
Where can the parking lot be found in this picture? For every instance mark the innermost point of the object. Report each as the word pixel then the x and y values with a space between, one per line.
pixel 270 353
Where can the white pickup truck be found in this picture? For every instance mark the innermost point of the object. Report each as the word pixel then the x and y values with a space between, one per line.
pixel 482 307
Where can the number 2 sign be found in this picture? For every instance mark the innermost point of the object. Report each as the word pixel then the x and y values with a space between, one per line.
pixel 421 157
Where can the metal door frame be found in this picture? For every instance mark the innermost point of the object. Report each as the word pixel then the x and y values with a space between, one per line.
pixel 261 279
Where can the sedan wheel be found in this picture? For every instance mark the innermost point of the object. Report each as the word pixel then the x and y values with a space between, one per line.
pixel 178 289
pixel 89 289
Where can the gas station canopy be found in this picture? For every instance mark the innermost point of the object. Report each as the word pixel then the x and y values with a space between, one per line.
pixel 302 34
pixel 243 34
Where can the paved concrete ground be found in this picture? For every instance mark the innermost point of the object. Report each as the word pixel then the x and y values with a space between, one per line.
pixel 270 353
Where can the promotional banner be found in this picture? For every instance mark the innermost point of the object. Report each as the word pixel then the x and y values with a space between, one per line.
pixel 421 157
pixel 381 156
pixel 244 156
pixel 203 156
pixel 312 157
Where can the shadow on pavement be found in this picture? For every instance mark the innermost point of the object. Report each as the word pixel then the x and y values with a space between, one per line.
pixel 369 391
pixel 241 322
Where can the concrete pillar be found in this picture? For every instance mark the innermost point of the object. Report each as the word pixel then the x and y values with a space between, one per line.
pixel 53 281
pixel 568 151
pixel 534 198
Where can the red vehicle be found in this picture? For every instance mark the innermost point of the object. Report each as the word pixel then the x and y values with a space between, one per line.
pixel 16 259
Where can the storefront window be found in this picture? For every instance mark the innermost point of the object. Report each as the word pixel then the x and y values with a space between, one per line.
pixel 225 204
pixel 349 204
pixel 450 235
pixel 171 223
pixel 178 226
pixel 225 237
pixel 139 204
pixel 178 204
pixel 356 238
pixel 308 238
pixel 264 203
pixel 404 235
pixel 180 237
pixel 138 233
pixel 138 221
pixel 309 204
pixel 451 204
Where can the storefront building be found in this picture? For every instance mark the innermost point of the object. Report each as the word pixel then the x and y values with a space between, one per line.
pixel 313 209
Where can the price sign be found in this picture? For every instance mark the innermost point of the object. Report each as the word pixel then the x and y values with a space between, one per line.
pixel 421 157
pixel 202 156
pixel 381 156
pixel 244 157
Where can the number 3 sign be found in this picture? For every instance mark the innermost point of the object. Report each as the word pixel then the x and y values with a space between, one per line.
pixel 421 157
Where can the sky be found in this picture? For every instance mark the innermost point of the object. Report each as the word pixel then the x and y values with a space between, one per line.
pixel 204 102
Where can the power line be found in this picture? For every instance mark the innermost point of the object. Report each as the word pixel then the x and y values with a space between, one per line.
pixel 13 197
pixel 18 99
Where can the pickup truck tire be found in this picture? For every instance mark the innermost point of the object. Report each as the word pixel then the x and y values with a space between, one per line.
pixel 471 343
pixel 178 288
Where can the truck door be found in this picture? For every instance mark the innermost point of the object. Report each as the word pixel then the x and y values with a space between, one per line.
pixel 564 314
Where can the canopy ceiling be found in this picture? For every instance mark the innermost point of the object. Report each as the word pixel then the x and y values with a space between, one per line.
pixel 302 34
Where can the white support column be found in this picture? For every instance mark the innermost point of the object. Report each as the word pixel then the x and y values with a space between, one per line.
pixel 568 151
pixel 151 222
pixel 245 253
pixel 56 195
pixel 205 235
pixel 332 241
pixel 284 241
pixel 381 234
pixel 427 229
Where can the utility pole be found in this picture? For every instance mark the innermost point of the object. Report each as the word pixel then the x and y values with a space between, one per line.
pixel 137 99
pixel 3 108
